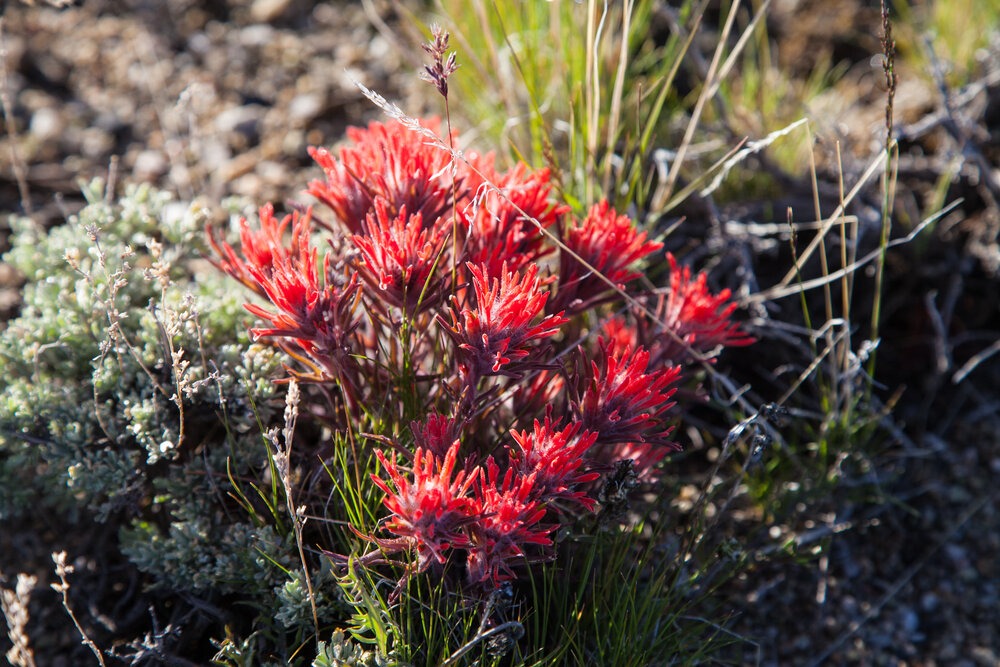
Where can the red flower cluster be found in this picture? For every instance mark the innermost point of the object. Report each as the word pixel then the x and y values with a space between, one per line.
pixel 688 323
pixel 699 319
pixel 516 214
pixel 431 510
pixel 386 162
pixel 626 401
pixel 608 245
pixel 459 300
pixel 401 257
pixel 316 316
pixel 510 511
pixel 494 334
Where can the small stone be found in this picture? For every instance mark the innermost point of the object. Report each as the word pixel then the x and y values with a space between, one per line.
pixel 272 172
pixel 948 652
pixel 266 11
pixel 910 621
pixel 46 124
pixel 96 143
pixel 956 554
pixel 985 656
pixel 199 43
pixel 150 164
pixel 244 119
pixel 305 107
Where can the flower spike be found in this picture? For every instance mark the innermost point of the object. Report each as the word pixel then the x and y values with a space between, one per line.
pixel 496 336
pixel 431 511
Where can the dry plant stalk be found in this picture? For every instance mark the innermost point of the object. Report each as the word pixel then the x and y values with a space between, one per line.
pixel 14 605
pixel 63 571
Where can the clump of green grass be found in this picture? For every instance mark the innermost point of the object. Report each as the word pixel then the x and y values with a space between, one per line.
pixel 948 36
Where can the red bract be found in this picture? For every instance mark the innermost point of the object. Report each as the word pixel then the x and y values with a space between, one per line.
pixel 507 524
pixel 619 334
pixel 508 227
pixel 554 457
pixel 495 336
pixel 625 401
pixel 431 511
pixel 436 434
pixel 609 243
pixel 697 317
pixel 537 393
pixel 264 248
pixel 387 161
pixel 400 257
pixel 317 317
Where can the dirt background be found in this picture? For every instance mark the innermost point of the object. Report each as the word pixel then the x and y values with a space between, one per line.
pixel 217 99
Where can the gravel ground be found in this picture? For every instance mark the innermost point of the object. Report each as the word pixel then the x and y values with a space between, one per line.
pixel 218 99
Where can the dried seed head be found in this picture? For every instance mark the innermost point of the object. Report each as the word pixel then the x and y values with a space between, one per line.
pixel 444 64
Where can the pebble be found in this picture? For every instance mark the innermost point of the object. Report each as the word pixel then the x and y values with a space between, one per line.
pixel 266 11
pixel 909 620
pixel 272 172
pixel 96 143
pixel 305 107
pixel 150 164
pixel 199 43
pixel 46 124
pixel 244 119
pixel 257 35
pixel 956 554
pixel 985 656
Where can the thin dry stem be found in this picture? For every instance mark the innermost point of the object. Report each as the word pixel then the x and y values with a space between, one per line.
pixel 616 96
pixel 20 171
pixel 663 194
pixel 14 606
pixel 782 290
pixel 282 461
pixel 63 571
pixel 877 163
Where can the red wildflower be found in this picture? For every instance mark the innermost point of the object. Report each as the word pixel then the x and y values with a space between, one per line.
pixel 619 334
pixel 507 524
pixel 698 319
pixel 508 227
pixel 387 161
pixel 317 317
pixel 436 434
pixel 625 401
pixel 399 257
pixel 430 512
pixel 554 457
pixel 536 394
pixel 264 248
pixel 609 243
pixel 496 335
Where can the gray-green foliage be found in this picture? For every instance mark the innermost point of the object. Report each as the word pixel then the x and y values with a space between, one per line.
pixel 130 393
pixel 342 651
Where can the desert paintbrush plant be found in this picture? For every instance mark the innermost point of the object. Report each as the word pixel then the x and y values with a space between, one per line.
pixel 481 362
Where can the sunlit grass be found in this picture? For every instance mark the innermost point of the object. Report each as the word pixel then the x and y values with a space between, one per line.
pixel 949 36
